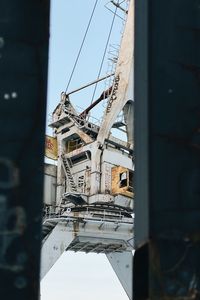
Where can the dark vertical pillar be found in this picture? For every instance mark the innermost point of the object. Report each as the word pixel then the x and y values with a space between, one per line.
pixel 24 34
pixel 167 142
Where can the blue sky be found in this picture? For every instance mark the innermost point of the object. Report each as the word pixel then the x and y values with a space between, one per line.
pixel 69 20
pixel 79 276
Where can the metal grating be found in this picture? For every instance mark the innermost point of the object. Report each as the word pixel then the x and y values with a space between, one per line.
pixel 89 247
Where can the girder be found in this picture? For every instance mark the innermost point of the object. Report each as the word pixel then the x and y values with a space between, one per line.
pixel 84 233
pixel 122 265
pixel 117 99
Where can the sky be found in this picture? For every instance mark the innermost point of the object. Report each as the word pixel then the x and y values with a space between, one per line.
pixel 80 276
pixel 69 20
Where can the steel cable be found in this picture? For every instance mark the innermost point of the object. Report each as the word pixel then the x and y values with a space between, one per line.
pixel 83 41
pixel 105 50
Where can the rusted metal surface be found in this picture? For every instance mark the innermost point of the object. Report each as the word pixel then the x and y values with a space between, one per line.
pixel 103 96
pixel 113 96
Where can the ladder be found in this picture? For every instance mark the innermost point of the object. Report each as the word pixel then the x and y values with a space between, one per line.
pixel 68 174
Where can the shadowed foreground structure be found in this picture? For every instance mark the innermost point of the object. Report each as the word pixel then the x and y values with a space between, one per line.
pixel 167 105
pixel 24 34
pixel 167 91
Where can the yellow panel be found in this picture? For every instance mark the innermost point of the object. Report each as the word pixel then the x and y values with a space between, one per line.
pixel 51 148
pixel 116 189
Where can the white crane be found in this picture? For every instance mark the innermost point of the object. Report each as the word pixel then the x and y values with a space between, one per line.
pixel 89 195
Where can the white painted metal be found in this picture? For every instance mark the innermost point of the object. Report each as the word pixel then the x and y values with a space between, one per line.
pixel 120 91
pixel 116 158
pixel 84 233
pixel 53 247
pixel 87 216
pixel 129 109
pixel 123 71
pixel 124 201
pixel 122 264
pixel 50 184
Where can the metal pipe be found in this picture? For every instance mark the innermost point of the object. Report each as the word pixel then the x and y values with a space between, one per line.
pixel 103 96
pixel 89 84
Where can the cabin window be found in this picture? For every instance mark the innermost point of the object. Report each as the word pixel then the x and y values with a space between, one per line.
pixel 73 145
pixel 126 180
pixel 74 142
pixel 80 157
pixel 123 179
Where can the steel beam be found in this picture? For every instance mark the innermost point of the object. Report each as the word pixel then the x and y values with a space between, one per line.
pixel 69 234
pixel 122 266
pixel 117 99
pixel 54 246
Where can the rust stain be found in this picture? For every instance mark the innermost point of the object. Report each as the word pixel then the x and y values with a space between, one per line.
pixel 76 224
pixel 113 94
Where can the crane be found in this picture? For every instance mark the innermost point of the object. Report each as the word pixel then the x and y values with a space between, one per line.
pixel 89 194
